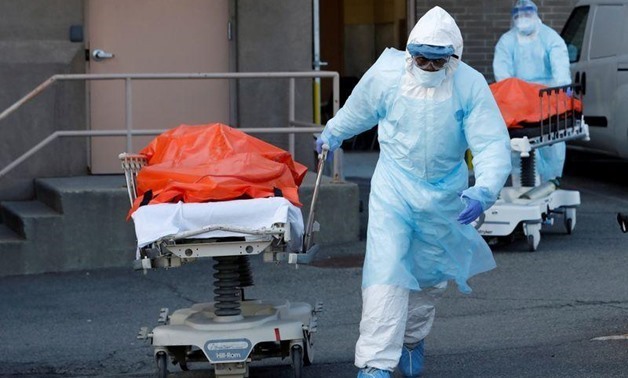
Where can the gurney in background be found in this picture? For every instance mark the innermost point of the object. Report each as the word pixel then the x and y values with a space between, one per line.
pixel 548 116
pixel 231 331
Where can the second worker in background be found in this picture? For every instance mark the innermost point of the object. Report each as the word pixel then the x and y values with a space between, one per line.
pixel 534 52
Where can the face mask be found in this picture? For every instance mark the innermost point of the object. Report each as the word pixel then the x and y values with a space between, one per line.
pixel 525 25
pixel 428 79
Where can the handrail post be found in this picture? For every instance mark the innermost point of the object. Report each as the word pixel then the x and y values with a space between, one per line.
pixel 291 117
pixel 128 113
pixel 336 92
pixel 337 163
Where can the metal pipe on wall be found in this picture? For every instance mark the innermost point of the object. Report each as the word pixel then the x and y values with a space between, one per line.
pixel 316 37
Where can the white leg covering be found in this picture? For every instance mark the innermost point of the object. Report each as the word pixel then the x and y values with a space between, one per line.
pixel 384 316
pixel 421 313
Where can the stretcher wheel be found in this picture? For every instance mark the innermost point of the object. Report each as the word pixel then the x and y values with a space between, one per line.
pixel 533 235
pixel 162 364
pixel 622 219
pixel 296 353
pixel 570 220
pixel 569 225
pixel 532 243
pixel 308 352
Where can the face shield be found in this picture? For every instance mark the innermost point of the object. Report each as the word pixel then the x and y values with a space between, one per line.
pixel 526 11
pixel 525 17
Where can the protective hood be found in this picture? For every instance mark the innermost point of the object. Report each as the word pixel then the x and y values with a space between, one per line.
pixel 437 28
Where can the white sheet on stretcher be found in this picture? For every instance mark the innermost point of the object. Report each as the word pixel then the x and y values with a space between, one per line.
pixel 155 221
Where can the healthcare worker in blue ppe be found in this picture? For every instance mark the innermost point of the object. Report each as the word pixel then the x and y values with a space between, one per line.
pixel 430 107
pixel 534 52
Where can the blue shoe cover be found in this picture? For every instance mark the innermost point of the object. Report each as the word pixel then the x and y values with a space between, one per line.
pixel 374 373
pixel 411 361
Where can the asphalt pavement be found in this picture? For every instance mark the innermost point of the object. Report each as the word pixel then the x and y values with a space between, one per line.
pixel 561 311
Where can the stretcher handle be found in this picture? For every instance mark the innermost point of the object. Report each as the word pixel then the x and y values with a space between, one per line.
pixel 131 165
pixel 322 157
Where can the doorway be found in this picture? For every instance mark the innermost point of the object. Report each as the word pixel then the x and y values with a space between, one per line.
pixel 353 35
pixel 155 36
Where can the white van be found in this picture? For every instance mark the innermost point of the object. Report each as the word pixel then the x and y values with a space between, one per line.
pixel 596 34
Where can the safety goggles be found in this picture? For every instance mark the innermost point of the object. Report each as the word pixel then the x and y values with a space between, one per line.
pixel 430 64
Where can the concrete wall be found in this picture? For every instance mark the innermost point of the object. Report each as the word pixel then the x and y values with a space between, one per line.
pixel 483 22
pixel 275 35
pixel 34 45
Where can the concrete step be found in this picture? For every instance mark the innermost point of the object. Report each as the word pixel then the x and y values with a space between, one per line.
pixel 8 236
pixel 30 219
pixel 64 194
pixel 76 223
pixel 24 220
pixel 11 252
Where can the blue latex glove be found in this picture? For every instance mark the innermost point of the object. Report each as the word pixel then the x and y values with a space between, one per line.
pixel 319 149
pixel 569 92
pixel 471 212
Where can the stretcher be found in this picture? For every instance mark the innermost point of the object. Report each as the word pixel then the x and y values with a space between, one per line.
pixel 529 205
pixel 231 331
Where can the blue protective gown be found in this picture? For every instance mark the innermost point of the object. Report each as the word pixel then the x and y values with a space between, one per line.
pixel 414 240
pixel 540 58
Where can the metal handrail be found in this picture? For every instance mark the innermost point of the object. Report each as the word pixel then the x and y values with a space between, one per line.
pixel 294 125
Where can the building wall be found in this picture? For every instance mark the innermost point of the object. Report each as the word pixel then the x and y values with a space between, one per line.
pixel 273 36
pixel 483 22
pixel 34 45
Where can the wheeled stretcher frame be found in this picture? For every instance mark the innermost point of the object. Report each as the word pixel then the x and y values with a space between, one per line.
pixel 528 203
pixel 231 331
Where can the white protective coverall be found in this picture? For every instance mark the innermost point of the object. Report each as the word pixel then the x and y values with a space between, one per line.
pixel 414 243
pixel 538 57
